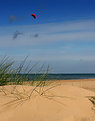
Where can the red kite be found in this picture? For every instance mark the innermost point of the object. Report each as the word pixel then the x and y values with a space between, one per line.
pixel 33 16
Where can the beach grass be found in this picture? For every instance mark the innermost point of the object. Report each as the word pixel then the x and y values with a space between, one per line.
pixel 12 75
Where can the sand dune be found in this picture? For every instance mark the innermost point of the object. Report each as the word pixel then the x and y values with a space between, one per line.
pixel 58 103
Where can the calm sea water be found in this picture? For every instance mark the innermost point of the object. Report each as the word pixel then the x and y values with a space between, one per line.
pixel 64 76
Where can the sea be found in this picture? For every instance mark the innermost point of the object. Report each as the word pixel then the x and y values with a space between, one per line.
pixel 63 76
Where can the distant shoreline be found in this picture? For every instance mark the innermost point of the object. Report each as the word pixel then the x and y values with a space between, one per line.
pixel 62 81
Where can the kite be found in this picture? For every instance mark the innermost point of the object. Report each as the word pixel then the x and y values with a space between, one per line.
pixel 36 35
pixel 33 16
pixel 16 34
pixel 15 18
pixel 12 18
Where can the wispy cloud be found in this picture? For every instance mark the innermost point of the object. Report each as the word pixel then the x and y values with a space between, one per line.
pixel 49 33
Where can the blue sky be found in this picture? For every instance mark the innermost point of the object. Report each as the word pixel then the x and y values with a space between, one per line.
pixel 65 29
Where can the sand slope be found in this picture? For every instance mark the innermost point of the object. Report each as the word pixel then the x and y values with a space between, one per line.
pixel 59 103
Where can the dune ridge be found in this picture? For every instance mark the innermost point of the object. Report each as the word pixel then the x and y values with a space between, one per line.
pixel 52 103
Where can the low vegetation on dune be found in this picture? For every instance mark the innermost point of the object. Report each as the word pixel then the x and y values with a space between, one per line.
pixel 12 75
pixel 92 99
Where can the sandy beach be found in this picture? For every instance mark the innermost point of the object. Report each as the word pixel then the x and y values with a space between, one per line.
pixel 63 100
pixel 83 83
